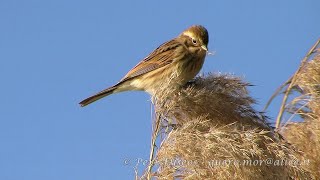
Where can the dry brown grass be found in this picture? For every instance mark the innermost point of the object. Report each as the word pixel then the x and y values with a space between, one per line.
pixel 305 135
pixel 211 121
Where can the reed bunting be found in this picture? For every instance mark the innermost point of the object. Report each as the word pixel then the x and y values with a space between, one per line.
pixel 171 65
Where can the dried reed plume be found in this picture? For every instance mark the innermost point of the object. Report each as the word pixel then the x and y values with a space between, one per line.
pixel 305 135
pixel 209 130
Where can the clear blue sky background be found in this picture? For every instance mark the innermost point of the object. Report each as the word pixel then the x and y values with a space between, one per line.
pixel 55 53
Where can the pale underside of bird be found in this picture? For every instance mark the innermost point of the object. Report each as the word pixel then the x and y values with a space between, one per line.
pixel 171 65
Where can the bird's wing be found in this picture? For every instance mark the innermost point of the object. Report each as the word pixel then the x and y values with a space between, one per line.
pixel 160 57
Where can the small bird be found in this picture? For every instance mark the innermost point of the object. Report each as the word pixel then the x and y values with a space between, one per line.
pixel 172 64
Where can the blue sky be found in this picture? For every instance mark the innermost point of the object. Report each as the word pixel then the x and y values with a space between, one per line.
pixel 55 53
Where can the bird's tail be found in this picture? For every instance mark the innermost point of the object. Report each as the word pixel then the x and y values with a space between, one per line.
pixel 98 96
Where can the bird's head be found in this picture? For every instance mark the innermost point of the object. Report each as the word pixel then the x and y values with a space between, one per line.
pixel 196 38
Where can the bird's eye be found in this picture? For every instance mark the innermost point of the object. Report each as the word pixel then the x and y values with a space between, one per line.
pixel 194 41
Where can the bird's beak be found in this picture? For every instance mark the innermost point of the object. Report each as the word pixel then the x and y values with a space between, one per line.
pixel 204 47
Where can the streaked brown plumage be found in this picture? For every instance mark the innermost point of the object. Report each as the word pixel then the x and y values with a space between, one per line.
pixel 173 63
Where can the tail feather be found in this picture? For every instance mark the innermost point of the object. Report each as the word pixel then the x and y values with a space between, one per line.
pixel 98 96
